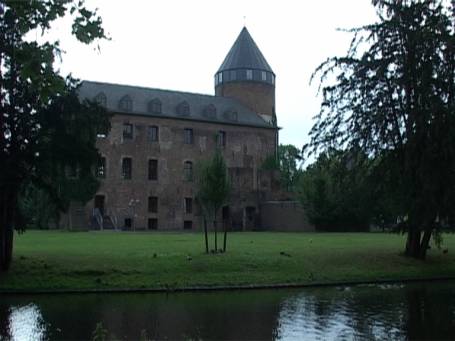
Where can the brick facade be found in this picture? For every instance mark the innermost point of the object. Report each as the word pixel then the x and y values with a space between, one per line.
pixel 259 97
pixel 244 152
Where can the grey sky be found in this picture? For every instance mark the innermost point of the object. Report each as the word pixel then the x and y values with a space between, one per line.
pixel 179 45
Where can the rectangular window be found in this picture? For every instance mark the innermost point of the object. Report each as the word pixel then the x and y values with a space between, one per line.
pixel 188 205
pixel 153 204
pixel 249 74
pixel 153 134
pixel 187 224
pixel 128 223
pixel 101 168
pixel 152 224
pixel 221 139
pixel 188 171
pixel 188 136
pixel 264 75
pixel 127 167
pixel 127 131
pixel 153 169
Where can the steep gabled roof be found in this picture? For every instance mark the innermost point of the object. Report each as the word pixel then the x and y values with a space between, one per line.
pixel 227 110
pixel 245 54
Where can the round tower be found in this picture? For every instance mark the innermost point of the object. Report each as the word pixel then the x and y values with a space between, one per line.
pixel 246 76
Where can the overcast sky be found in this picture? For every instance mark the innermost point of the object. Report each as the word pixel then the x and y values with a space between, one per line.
pixel 179 45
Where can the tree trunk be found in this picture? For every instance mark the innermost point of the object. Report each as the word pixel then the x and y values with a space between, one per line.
pixel 225 235
pixel 424 244
pixel 214 228
pixel 413 243
pixel 7 209
pixel 206 236
pixel 3 265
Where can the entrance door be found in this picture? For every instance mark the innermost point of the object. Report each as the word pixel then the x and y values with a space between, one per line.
pixel 99 203
pixel 249 217
pixel 225 217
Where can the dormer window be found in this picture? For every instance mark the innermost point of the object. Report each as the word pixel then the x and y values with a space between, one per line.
pixel 231 115
pixel 210 111
pixel 101 99
pixel 125 103
pixel 154 106
pixel 183 109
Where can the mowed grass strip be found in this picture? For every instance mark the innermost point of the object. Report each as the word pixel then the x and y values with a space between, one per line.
pixel 47 260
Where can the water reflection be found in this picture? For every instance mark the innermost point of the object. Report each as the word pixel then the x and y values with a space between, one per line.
pixel 418 311
pixel 24 323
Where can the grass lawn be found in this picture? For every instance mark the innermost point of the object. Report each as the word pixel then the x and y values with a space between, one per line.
pixel 79 260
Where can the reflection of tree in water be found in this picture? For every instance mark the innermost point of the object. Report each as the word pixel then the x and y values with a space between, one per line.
pixel 70 316
pixel 429 316
pixel 4 321
pixel 223 316
pixel 374 312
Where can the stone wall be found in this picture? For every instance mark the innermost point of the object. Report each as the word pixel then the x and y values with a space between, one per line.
pixel 284 216
pixel 245 150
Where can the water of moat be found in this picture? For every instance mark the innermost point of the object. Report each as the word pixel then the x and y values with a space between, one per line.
pixel 384 312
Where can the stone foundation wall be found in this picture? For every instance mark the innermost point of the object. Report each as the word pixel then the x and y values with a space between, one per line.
pixel 284 216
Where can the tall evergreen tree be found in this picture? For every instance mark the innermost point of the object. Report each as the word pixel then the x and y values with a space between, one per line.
pixel 43 127
pixel 336 192
pixel 393 96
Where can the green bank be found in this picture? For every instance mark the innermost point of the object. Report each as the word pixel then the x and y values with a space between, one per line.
pixel 57 260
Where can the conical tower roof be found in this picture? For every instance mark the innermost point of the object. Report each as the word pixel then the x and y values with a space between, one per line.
pixel 245 54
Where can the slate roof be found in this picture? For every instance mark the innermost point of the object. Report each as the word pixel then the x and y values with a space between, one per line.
pixel 228 110
pixel 245 54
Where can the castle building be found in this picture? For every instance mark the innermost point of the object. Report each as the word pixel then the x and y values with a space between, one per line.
pixel 150 156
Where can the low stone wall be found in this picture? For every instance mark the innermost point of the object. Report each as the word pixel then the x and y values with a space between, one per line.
pixel 284 216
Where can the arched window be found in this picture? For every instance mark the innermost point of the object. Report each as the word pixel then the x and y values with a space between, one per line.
pixel 101 99
pixel 125 103
pixel 210 111
pixel 188 171
pixel 183 109
pixel 154 106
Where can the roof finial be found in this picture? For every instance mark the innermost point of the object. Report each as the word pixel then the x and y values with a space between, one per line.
pixel 244 21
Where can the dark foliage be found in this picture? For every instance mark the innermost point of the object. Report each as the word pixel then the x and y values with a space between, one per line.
pixel 44 128
pixel 287 162
pixel 393 97
pixel 336 192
